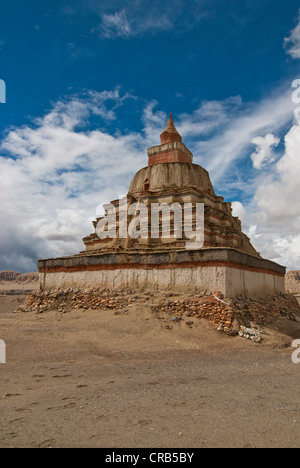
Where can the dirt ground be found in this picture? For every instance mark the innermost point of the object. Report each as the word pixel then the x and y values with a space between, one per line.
pixel 6 286
pixel 99 379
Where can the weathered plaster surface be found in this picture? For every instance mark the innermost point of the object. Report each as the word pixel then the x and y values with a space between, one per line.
pixel 228 271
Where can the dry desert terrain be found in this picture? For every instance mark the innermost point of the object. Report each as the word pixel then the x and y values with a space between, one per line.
pixel 89 378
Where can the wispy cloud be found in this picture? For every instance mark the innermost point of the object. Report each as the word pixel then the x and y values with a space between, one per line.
pixel 292 42
pixel 125 24
pixel 136 18
pixel 220 132
pixel 116 25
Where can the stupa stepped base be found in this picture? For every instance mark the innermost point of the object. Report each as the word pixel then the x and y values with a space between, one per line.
pixel 229 271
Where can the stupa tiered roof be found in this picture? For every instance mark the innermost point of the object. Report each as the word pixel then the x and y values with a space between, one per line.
pixel 172 177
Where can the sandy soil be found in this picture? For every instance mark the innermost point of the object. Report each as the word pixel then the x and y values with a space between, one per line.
pixel 6 286
pixel 97 379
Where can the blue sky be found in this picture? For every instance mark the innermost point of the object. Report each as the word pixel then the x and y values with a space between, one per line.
pixel 90 85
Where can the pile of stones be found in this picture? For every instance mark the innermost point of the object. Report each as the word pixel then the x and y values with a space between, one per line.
pixel 64 300
pixel 253 333
pixel 265 310
pixel 240 316
pixel 212 308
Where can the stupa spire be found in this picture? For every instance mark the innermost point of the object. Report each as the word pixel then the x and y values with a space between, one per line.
pixel 170 134
pixel 171 149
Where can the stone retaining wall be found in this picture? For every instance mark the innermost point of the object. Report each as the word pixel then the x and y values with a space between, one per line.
pixel 241 315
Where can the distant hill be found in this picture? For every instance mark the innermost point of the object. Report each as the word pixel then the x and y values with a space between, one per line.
pixel 292 281
pixel 27 277
pixel 8 275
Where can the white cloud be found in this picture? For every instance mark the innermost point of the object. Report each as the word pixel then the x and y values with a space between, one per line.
pixel 55 172
pixel 208 117
pixel 57 175
pixel 233 140
pixel 264 150
pixel 279 194
pixel 273 217
pixel 292 43
pixel 239 210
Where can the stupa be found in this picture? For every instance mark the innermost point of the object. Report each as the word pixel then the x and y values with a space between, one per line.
pixel 224 259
